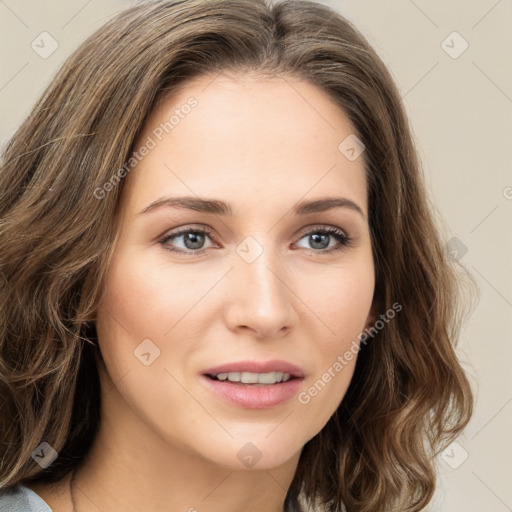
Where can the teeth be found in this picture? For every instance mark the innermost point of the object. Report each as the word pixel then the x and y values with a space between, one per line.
pixel 254 378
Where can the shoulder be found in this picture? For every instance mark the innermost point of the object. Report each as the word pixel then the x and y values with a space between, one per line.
pixel 22 499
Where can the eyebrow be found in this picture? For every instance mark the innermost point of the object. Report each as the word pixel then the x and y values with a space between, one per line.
pixel 218 207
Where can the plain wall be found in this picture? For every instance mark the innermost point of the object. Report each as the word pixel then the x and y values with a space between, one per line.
pixel 460 107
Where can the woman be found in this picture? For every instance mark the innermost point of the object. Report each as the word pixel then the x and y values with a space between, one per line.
pixel 223 286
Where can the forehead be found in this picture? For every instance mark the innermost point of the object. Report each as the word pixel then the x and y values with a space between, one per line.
pixel 247 136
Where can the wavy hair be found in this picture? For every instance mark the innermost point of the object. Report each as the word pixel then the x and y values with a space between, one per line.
pixel 409 396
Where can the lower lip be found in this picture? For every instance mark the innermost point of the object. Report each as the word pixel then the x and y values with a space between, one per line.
pixel 254 396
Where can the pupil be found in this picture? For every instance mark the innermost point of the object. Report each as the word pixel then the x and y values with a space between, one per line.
pixel 315 239
pixel 194 237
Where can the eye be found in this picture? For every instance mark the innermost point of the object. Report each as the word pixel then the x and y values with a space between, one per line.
pixel 321 236
pixel 193 239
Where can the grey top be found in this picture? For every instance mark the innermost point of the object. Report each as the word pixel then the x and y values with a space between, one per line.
pixel 22 499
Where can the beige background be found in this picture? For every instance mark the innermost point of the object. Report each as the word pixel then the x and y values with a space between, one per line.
pixel 461 112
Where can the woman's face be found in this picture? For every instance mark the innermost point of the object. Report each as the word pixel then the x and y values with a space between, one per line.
pixel 254 284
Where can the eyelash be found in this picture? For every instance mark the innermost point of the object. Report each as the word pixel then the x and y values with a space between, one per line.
pixel 344 240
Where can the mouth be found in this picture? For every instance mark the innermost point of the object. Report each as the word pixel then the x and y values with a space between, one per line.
pixel 253 379
pixel 253 384
pixel 255 373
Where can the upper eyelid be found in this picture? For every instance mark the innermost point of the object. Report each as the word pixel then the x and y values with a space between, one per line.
pixel 319 227
pixel 179 231
pixel 199 227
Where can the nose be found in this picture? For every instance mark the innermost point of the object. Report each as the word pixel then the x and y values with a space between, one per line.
pixel 261 301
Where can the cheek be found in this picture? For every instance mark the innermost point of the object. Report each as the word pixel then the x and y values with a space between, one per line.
pixel 131 313
pixel 146 296
pixel 146 308
pixel 139 307
pixel 341 299
pixel 341 306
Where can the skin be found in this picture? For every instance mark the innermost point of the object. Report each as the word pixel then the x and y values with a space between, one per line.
pixel 166 442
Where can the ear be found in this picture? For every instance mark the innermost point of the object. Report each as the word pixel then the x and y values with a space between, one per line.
pixel 91 317
pixel 372 316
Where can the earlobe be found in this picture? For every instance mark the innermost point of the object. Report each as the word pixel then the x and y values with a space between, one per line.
pixel 372 316
pixel 90 318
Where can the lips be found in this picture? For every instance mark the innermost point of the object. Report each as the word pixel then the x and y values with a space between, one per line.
pixel 274 365
pixel 254 396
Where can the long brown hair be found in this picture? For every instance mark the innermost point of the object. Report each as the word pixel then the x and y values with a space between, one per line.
pixel 409 396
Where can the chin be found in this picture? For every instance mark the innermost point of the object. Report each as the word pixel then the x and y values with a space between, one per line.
pixel 250 452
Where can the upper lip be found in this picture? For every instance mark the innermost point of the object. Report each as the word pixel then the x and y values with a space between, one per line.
pixel 274 365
